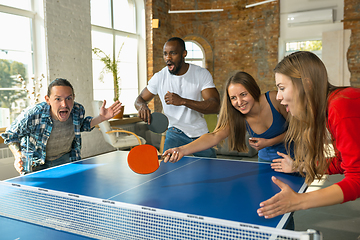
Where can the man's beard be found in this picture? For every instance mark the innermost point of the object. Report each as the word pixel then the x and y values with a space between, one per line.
pixel 176 67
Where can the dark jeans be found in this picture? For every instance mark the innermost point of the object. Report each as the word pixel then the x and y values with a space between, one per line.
pixel 48 164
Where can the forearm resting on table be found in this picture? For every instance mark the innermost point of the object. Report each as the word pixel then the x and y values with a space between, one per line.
pixel 320 198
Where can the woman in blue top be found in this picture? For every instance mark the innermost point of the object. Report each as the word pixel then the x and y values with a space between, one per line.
pixel 243 109
pixel 277 128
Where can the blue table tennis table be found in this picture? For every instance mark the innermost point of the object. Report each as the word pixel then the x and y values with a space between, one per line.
pixel 201 191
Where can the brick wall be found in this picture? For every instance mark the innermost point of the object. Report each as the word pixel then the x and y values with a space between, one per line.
pixel 235 39
pixel 352 22
pixel 155 39
pixel 68 33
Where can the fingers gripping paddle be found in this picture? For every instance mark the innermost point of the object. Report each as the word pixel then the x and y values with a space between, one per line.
pixel 158 122
pixel 143 159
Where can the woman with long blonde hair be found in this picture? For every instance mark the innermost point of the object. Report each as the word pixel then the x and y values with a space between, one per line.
pixel 320 114
pixel 243 109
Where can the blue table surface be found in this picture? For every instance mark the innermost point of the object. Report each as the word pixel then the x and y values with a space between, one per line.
pixel 224 189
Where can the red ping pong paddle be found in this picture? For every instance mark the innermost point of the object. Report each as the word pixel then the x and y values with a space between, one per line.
pixel 143 159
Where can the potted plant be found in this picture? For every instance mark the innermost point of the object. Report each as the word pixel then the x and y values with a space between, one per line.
pixel 111 66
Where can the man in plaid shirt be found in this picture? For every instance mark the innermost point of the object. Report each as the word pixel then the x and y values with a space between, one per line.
pixel 51 130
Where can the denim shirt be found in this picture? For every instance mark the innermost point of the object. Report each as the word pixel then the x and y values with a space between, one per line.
pixel 37 123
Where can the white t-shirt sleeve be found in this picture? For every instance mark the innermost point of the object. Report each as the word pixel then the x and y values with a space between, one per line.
pixel 153 83
pixel 207 80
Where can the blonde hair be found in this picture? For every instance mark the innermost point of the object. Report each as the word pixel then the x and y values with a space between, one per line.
pixel 308 129
pixel 230 117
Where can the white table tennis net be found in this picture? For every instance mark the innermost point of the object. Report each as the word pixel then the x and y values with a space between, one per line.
pixel 107 219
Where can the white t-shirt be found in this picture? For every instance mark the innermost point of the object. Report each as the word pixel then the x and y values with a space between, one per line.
pixel 189 86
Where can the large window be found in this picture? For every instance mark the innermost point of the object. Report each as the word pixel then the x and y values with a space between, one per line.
pixel 116 32
pixel 195 54
pixel 17 57
pixel 314 46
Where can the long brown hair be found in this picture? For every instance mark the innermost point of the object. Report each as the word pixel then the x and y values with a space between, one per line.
pixel 308 129
pixel 231 117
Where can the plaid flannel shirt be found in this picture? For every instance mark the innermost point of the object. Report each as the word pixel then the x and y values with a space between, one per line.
pixel 37 123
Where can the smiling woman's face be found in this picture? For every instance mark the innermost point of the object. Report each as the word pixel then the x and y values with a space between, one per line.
pixel 286 93
pixel 240 98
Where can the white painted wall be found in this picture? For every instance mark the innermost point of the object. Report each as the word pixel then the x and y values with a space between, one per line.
pixel 335 45
pixel 335 39
pixel 309 31
pixel 68 40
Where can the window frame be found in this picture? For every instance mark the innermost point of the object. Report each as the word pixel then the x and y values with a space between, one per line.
pixel 317 52
pixel 282 46
pixel 139 35
pixel 196 59
pixel 38 49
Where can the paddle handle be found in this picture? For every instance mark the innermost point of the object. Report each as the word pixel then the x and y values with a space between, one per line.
pixel 124 131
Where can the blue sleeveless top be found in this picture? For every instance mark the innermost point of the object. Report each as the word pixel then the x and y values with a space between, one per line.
pixel 278 126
